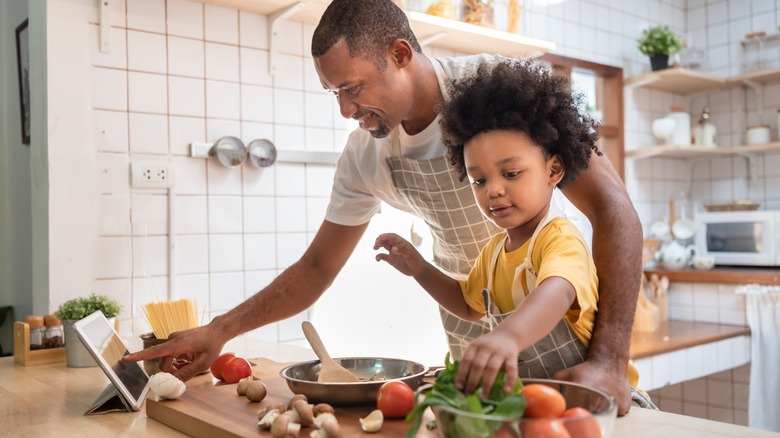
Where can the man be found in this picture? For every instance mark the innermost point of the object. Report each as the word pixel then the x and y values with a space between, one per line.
pixel 367 56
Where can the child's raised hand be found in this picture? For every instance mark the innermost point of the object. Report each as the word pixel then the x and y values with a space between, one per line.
pixel 400 254
pixel 484 358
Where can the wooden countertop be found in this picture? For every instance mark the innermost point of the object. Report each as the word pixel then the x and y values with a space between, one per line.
pixel 676 335
pixel 47 400
pixel 719 274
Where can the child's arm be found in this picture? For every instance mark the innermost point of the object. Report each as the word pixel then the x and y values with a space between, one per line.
pixel 537 316
pixel 405 258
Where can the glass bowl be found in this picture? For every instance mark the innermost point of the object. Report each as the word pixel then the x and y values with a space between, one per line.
pixel 452 422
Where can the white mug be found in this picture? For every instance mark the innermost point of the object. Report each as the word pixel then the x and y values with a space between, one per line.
pixel 758 134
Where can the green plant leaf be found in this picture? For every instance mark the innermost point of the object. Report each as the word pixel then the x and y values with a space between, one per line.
pixel 78 308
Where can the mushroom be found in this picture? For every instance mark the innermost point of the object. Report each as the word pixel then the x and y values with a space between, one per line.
pixel 268 414
pixel 301 413
pixel 373 421
pixel 281 407
pixel 323 417
pixel 243 383
pixel 284 427
pixel 295 398
pixel 328 429
pixel 256 391
pixel 321 408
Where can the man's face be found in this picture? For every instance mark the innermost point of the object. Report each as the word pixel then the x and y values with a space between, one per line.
pixel 372 97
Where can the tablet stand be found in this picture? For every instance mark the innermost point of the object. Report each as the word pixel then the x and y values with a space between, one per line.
pixel 110 400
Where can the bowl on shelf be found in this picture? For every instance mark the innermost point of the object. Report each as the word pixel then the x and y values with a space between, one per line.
pixel 702 262
pixel 452 422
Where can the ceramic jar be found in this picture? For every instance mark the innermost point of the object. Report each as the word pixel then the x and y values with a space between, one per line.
pixel 757 134
pixel 663 128
pixel 673 255
pixel 682 129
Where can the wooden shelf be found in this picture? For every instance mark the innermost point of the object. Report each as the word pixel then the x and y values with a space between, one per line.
pixel 677 335
pixel 443 33
pixel 719 274
pixel 684 81
pixel 675 151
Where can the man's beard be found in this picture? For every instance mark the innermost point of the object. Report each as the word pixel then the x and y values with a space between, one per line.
pixel 383 129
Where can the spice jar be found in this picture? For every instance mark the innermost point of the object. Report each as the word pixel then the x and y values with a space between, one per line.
pixel 478 12
pixel 54 336
pixel 36 331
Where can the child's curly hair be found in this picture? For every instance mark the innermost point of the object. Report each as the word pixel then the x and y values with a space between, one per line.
pixel 517 95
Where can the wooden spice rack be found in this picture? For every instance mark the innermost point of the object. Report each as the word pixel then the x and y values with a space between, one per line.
pixel 24 356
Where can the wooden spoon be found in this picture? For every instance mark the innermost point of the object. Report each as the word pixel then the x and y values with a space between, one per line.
pixel 331 371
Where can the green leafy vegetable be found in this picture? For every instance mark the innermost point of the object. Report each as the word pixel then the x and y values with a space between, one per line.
pixel 444 393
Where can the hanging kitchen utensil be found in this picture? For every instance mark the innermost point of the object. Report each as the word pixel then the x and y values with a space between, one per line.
pixel 262 153
pixel 230 151
pixel 330 370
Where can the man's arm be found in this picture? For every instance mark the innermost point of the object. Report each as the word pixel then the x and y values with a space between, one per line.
pixel 617 251
pixel 295 289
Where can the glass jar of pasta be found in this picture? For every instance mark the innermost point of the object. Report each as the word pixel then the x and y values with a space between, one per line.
pixel 479 12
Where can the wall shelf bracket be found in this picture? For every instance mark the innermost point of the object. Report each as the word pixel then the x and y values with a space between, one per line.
pixel 275 20
pixel 105 26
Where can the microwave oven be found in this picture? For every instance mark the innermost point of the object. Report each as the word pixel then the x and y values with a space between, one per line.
pixel 740 238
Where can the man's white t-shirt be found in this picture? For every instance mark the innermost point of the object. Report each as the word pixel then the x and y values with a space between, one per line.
pixel 363 178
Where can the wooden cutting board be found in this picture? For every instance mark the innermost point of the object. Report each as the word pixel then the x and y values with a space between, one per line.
pixel 213 409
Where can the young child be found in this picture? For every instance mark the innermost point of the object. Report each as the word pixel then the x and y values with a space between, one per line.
pixel 530 300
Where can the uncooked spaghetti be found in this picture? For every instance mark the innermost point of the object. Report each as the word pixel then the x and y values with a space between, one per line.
pixel 167 317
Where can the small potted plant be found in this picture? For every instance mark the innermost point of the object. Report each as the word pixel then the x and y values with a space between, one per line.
pixel 76 309
pixel 658 42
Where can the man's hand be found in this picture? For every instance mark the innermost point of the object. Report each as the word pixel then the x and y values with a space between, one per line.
pixel 186 353
pixel 612 381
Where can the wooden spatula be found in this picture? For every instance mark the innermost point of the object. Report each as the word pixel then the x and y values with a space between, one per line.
pixel 330 371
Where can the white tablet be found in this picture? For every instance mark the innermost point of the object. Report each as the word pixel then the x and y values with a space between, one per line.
pixel 105 345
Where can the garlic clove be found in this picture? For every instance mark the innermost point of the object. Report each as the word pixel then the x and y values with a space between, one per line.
pixel 166 386
pixel 372 422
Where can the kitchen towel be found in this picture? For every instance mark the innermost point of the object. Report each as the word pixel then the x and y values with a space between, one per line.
pixel 763 316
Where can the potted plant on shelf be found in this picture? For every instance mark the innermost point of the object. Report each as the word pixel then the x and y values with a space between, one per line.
pixel 73 310
pixel 658 42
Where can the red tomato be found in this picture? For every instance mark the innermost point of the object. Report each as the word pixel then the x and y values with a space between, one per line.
pixel 236 369
pixel 542 428
pixel 395 399
pixel 581 423
pixel 542 401
pixel 216 367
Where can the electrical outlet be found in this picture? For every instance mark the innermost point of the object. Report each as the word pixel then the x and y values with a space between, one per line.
pixel 152 175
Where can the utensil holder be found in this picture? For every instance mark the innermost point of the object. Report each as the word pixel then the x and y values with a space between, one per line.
pixel 24 356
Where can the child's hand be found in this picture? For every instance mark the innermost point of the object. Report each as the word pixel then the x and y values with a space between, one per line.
pixel 400 254
pixel 484 358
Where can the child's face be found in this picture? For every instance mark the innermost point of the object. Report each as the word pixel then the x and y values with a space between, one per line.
pixel 510 177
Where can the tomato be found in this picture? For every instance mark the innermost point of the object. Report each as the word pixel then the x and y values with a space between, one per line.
pixel 542 401
pixel 542 428
pixel 581 423
pixel 236 369
pixel 216 367
pixel 395 399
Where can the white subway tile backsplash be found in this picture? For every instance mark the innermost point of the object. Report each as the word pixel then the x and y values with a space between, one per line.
pixel 146 52
pixel 110 131
pixel 254 67
pixel 292 43
pixel 109 89
pixel 253 30
pixel 288 107
pixel 112 257
pixel 319 108
pixel 289 248
pixel 290 214
pixel 151 211
pixel 112 173
pixel 221 24
pixel 228 290
pixel 147 92
pixel 259 251
pixel 225 214
pixel 253 131
pixel 315 212
pixel 185 18
pixel 290 72
pixel 148 134
pixel 318 139
pixel 290 179
pixel 148 15
pixel 223 101
pixel 187 96
pixel 114 219
pixel 184 131
pixel 193 287
pixel 191 215
pixel 216 128
pixel 191 178
pixel 186 57
pixel 192 254
pixel 257 104
pixel 223 180
pixel 259 214
pixel 260 182
pixel 222 62
pixel 226 253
